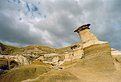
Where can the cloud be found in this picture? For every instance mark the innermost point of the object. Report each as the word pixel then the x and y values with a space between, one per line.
pixel 52 22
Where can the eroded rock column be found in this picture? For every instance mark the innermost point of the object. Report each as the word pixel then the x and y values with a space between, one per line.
pixel 85 34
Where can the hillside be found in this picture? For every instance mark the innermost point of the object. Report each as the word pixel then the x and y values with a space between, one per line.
pixel 24 72
pixel 7 49
pixel 32 49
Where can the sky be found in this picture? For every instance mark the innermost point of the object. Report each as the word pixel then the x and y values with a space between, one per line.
pixel 52 22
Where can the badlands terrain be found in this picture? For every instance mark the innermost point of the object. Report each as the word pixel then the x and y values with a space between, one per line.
pixel 90 60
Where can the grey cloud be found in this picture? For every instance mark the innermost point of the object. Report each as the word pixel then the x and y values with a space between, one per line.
pixel 13 32
pixel 62 17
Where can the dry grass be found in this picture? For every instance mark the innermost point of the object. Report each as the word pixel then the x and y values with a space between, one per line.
pixel 40 49
pixel 23 73
pixel 7 49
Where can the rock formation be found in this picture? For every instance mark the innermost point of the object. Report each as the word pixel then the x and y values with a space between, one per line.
pixel 18 58
pixel 94 53
pixel 90 60
pixel 85 34
pixel 97 54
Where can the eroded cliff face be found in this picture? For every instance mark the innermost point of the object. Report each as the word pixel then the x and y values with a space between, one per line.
pixel 98 56
pixel 21 60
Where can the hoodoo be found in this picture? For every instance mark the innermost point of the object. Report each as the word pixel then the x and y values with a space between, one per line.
pixel 97 54
pixel 85 34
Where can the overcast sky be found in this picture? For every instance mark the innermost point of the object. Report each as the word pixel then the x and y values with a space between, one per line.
pixel 52 22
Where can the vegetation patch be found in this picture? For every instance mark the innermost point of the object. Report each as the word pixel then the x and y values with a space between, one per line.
pixel 23 73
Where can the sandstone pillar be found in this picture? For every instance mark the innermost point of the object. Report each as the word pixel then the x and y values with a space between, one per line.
pixel 85 34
